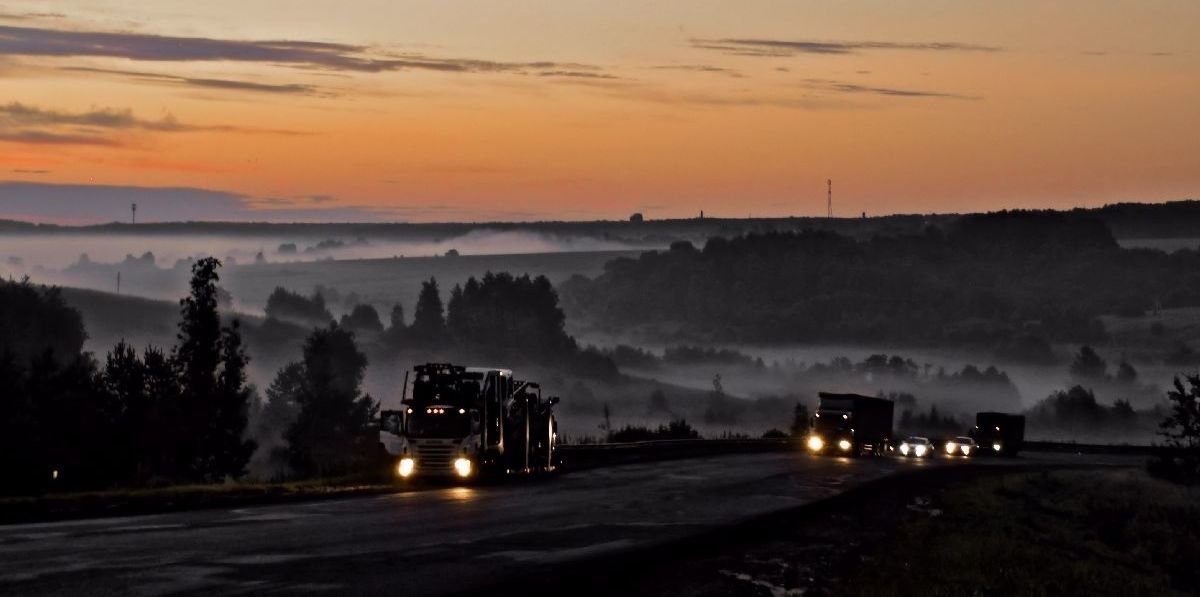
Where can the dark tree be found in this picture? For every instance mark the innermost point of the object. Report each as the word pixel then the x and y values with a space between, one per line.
pixel 363 319
pixel 332 433
pixel 35 320
pixel 800 422
pixel 286 305
pixel 396 322
pixel 658 403
pixel 213 398
pixel 1088 366
pixel 1126 374
pixel 429 322
pixel 1179 460
pixel 226 442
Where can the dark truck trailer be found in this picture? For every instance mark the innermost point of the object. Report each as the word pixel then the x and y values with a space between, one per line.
pixel 1001 434
pixel 851 424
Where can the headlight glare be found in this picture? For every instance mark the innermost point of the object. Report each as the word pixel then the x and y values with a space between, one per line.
pixel 462 466
pixel 815 443
pixel 405 468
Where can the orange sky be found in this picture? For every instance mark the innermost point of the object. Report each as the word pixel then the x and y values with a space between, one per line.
pixel 563 109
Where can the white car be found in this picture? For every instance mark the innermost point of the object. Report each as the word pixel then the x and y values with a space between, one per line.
pixel 916 447
pixel 961 446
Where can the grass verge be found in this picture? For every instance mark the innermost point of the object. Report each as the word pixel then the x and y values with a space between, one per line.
pixel 1091 532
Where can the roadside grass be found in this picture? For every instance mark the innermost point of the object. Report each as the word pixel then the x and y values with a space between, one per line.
pixel 149 500
pixel 1096 533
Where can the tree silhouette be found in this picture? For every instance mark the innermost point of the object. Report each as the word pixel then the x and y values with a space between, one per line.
pixel 429 322
pixel 363 319
pixel 1088 366
pixel 332 432
pixel 1180 459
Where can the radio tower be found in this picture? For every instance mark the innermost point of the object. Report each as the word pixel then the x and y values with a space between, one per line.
pixel 133 213
pixel 829 198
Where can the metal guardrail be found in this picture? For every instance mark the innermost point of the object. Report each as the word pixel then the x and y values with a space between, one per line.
pixel 577 456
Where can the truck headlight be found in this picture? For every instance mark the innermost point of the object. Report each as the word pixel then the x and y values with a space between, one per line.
pixel 462 466
pixel 815 443
pixel 996 447
pixel 844 445
pixel 405 468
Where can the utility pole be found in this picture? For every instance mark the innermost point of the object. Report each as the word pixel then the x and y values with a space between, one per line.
pixel 118 282
pixel 829 198
pixel 133 213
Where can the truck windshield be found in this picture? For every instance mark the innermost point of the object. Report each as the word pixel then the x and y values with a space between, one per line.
pixel 448 425
pixel 830 421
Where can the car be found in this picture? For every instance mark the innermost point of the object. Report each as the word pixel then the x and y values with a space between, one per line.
pixel 961 446
pixel 916 447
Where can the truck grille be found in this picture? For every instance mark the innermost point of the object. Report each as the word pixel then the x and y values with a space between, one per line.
pixel 432 458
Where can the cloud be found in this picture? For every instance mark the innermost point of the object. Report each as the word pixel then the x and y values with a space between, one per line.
pixel 36 137
pixel 227 84
pixel 44 42
pixel 29 171
pixel 577 74
pixel 852 88
pixel 699 68
pixel 84 203
pixel 776 48
pixel 22 123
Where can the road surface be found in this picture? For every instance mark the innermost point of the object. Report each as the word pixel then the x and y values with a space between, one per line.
pixel 429 541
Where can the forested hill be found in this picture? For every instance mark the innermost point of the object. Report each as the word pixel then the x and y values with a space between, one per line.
pixel 1008 277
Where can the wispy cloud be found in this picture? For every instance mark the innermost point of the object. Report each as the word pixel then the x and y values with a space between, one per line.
pixel 48 42
pixel 208 83
pixel 23 123
pixel 783 48
pixel 700 68
pixel 853 88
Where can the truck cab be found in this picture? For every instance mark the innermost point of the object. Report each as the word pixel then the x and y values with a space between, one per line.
pixel 466 421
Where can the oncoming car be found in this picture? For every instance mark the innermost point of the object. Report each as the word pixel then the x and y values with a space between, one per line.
pixel 916 447
pixel 961 446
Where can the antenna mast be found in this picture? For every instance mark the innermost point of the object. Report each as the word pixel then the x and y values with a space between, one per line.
pixel 829 198
pixel 133 213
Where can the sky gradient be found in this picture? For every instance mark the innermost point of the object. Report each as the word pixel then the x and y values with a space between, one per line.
pixel 563 109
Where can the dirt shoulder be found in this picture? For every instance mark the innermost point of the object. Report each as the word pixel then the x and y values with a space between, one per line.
pixel 945 531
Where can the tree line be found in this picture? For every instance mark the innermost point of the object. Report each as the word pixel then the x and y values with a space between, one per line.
pixel 992 279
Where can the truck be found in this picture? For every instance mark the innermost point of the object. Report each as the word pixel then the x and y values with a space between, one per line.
pixel 851 425
pixel 468 422
pixel 1001 434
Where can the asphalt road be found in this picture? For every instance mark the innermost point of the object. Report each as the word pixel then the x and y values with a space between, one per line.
pixel 428 541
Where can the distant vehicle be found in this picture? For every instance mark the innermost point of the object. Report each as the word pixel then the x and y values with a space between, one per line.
pixel 851 424
pixel 916 447
pixel 961 446
pixel 999 433
pixel 469 421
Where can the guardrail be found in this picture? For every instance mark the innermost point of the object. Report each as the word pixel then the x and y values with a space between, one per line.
pixel 578 456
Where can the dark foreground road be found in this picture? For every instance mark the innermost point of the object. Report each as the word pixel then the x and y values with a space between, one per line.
pixel 430 541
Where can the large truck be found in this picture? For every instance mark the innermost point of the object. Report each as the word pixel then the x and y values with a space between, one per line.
pixel 999 433
pixel 469 421
pixel 851 425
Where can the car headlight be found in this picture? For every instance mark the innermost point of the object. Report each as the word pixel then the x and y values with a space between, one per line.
pixel 904 449
pixel 405 468
pixel 966 450
pixel 951 447
pixel 844 445
pixel 462 466
pixel 919 450
pixel 815 443
pixel 996 447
